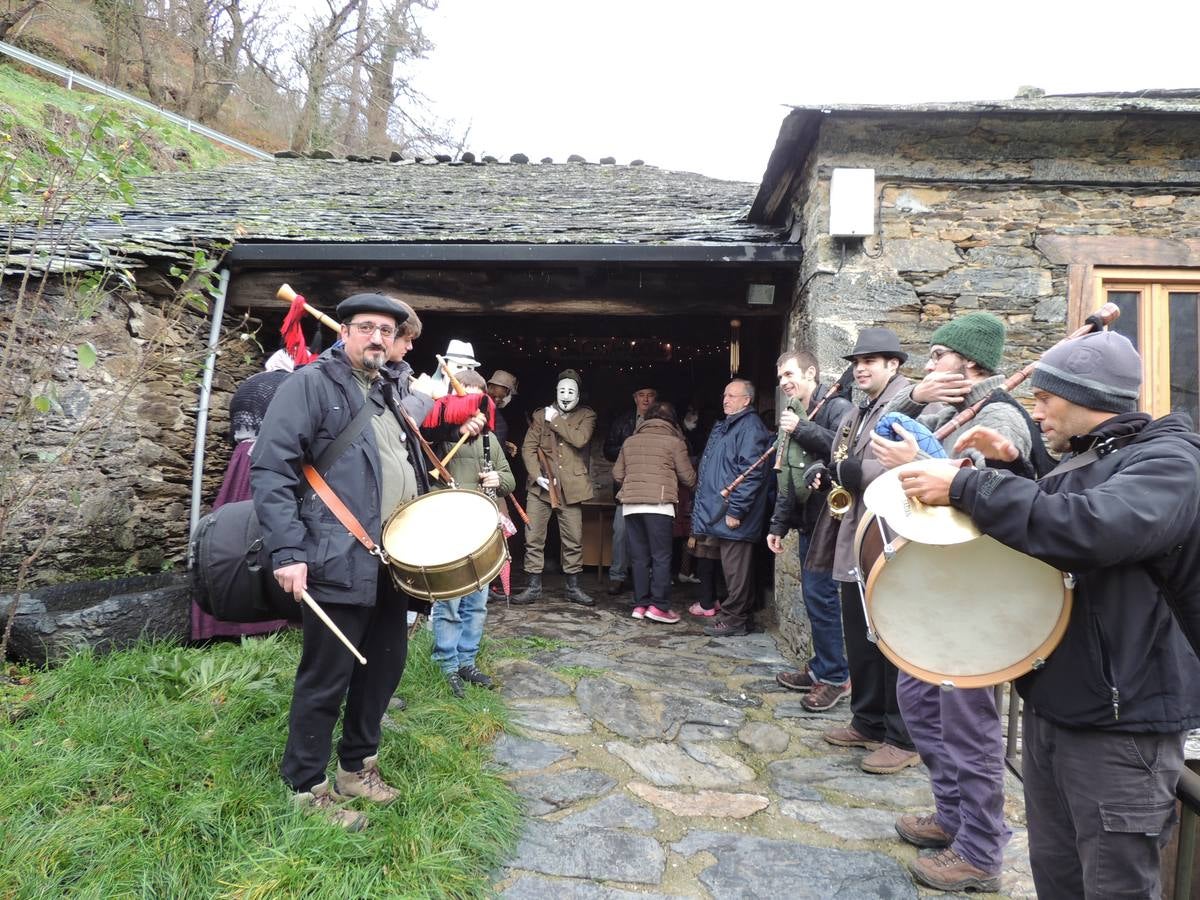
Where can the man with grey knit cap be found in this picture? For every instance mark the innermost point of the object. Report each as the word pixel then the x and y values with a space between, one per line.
pixel 1106 716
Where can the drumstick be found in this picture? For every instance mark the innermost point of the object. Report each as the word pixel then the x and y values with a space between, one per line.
pixel 454 382
pixel 517 506
pixel 434 473
pixel 337 632
pixel 287 295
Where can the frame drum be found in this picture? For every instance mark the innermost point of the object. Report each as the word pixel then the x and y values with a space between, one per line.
pixel 445 544
pixel 967 615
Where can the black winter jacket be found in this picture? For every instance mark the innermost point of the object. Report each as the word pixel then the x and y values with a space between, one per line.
pixel 1124 663
pixel 311 408
pixel 619 432
pixel 816 435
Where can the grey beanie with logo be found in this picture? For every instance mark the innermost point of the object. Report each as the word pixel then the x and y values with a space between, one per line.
pixel 1101 371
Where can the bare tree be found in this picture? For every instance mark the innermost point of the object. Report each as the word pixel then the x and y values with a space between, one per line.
pixel 318 64
pixel 400 41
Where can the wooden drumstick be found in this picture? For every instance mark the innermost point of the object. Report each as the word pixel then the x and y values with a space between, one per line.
pixel 434 473
pixel 337 632
pixel 454 382
pixel 287 295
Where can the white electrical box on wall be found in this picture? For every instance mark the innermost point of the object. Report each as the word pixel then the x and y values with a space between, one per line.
pixel 852 203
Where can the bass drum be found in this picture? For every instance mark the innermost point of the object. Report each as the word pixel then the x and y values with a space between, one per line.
pixel 445 544
pixel 965 615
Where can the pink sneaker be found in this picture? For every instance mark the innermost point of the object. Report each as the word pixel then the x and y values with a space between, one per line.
pixel 668 617
pixel 639 612
pixel 697 610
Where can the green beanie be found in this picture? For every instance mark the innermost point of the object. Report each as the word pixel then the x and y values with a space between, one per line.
pixel 978 336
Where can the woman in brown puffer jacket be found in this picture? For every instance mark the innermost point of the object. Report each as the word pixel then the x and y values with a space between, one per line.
pixel 651 465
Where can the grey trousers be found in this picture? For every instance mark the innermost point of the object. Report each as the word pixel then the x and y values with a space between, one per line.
pixel 1100 807
pixel 618 570
pixel 570 532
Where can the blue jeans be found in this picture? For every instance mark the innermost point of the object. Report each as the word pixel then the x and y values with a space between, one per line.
pixel 457 630
pixel 619 568
pixel 824 608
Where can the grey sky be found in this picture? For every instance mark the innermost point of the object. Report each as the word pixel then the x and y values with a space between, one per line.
pixel 703 86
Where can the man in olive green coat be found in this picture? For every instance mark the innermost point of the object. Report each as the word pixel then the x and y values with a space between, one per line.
pixel 562 432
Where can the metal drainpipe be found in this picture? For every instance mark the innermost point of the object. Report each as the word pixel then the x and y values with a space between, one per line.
pixel 214 335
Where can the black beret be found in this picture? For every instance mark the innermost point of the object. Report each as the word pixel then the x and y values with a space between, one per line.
pixel 371 303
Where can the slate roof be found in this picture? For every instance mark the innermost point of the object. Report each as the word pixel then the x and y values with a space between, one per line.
pixel 338 200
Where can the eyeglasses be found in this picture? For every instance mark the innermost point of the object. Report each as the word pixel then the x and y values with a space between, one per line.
pixel 935 355
pixel 366 329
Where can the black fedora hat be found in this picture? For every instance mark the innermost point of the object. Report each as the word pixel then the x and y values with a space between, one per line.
pixel 877 342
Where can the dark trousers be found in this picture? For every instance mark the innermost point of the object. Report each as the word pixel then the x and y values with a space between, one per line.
pixel 876 711
pixel 1100 807
pixel 648 539
pixel 737 561
pixel 329 676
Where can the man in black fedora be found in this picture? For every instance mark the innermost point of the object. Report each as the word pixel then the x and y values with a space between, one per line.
pixel 876 723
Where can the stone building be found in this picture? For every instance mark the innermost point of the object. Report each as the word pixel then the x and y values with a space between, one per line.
pixel 1037 209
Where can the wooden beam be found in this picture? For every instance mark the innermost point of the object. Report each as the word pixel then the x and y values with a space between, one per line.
pixel 1117 250
pixel 253 291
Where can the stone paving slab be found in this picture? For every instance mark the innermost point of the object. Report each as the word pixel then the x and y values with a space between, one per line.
pixel 694 774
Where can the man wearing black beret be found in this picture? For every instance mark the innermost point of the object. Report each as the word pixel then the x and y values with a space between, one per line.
pixel 375 471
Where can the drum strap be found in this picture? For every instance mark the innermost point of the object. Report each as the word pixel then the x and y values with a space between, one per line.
pixel 339 509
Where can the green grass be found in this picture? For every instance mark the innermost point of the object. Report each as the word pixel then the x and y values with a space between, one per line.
pixel 36 114
pixel 153 773
pixel 521 647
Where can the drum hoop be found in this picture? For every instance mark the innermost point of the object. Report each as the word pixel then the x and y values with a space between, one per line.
pixel 985 679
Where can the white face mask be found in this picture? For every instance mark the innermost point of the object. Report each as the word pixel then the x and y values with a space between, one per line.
pixel 567 394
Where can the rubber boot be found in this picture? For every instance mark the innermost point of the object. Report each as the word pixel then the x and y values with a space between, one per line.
pixel 533 591
pixel 575 593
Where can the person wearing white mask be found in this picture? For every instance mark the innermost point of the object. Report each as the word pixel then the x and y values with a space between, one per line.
pixel 555 453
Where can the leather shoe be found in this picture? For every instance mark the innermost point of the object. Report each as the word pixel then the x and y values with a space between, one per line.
pixel 848 736
pixel 796 681
pixel 724 629
pixel 923 831
pixel 948 871
pixel 888 760
pixel 616 587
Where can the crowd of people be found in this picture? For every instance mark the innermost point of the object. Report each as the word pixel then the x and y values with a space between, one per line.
pixel 1105 717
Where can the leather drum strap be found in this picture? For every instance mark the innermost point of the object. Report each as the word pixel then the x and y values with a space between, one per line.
pixel 339 509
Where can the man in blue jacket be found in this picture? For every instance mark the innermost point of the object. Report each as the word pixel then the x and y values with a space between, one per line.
pixel 1106 717
pixel 736 442
pixel 379 469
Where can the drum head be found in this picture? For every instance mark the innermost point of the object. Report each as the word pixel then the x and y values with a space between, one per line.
pixel 974 614
pixel 434 529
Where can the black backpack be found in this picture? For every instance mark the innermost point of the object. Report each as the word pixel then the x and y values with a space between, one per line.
pixel 232 577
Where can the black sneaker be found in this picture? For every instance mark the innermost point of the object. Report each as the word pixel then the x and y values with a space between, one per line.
pixel 474 676
pixel 457 688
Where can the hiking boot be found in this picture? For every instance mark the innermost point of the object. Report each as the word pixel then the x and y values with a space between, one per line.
pixel 796 681
pixel 697 610
pixel 947 871
pixel 923 831
pixel 457 688
pixel 575 593
pixel 474 676
pixel 320 800
pixel 724 629
pixel 825 696
pixel 666 616
pixel 848 736
pixel 366 783
pixel 639 612
pixel 616 587
pixel 533 591
pixel 888 760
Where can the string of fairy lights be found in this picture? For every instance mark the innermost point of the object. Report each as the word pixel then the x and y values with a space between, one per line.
pixel 625 354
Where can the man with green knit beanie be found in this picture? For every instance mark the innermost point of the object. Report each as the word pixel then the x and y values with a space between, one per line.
pixel 958 733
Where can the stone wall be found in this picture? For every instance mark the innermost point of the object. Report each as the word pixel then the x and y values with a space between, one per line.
pixel 111 459
pixel 962 201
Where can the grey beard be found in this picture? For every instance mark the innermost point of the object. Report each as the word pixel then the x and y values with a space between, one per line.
pixel 372 364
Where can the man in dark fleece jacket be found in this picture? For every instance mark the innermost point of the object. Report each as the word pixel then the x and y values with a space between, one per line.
pixel 1106 716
